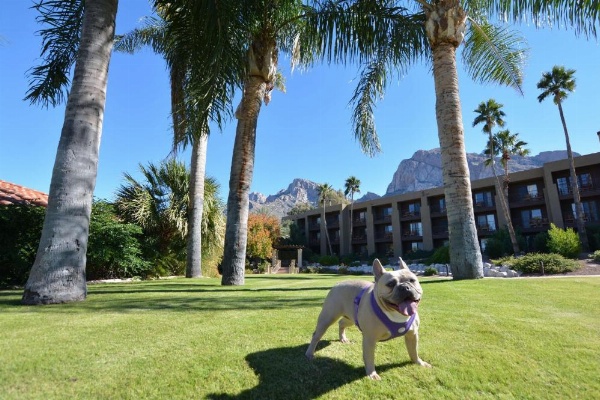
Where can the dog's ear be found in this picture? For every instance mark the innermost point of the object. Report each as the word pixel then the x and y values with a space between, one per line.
pixel 402 264
pixel 377 269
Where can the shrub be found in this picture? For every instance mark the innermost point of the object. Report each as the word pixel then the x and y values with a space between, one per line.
pixel 499 244
pixel 430 271
pixel 327 261
pixel 564 242
pixel 20 231
pixel 540 242
pixel 114 250
pixel 441 256
pixel 595 256
pixel 417 255
pixel 533 263
pixel 593 234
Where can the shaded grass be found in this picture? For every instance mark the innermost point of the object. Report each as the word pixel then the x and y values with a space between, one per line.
pixel 182 339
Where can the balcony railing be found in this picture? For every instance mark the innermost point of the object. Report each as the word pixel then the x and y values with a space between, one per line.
pixel 411 214
pixel 359 221
pixel 484 204
pixel 518 198
pixel 387 236
pixel 382 218
pixel 412 233
pixel 439 230
pixel 485 228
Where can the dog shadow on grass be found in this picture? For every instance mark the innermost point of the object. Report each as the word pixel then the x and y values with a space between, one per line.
pixel 285 373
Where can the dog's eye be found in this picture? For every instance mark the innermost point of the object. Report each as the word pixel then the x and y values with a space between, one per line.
pixel 412 280
pixel 391 284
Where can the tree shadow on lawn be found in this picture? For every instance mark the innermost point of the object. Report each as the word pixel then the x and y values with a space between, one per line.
pixel 285 373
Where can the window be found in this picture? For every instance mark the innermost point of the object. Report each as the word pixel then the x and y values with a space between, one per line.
pixel 585 181
pixel 563 186
pixel 416 229
pixel 530 218
pixel 486 222
pixel 484 199
pixel 532 191
pixel 415 246
pixel 387 211
pixel 388 229
pixel 414 208
pixel 590 210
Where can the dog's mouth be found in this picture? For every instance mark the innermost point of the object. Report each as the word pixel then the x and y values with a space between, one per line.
pixel 408 307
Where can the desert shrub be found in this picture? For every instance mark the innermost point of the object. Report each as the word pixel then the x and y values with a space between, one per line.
pixel 595 256
pixel 552 264
pixel 430 271
pixel 564 242
pixel 20 231
pixel 329 260
pixel 441 256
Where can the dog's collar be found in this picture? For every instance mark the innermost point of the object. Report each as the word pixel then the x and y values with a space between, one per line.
pixel 396 329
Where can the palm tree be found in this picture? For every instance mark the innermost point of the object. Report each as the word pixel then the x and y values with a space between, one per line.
pixel 490 114
pixel 558 84
pixel 153 34
pixel 506 145
pixel 160 204
pixel 325 191
pixel 352 186
pixel 58 273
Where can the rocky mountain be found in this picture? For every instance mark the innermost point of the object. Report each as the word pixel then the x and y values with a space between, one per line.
pixel 299 191
pixel 424 169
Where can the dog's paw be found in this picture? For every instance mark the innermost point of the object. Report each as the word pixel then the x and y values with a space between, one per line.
pixel 309 356
pixel 374 376
pixel 344 339
pixel 424 364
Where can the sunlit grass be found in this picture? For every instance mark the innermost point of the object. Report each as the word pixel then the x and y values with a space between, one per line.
pixel 184 339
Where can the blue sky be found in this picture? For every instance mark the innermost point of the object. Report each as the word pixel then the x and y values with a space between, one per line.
pixel 303 133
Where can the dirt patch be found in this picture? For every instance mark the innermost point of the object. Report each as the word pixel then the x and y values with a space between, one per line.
pixel 588 267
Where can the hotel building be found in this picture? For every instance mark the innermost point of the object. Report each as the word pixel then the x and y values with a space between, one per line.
pixel 394 225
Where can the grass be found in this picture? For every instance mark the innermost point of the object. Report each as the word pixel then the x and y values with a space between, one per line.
pixel 184 339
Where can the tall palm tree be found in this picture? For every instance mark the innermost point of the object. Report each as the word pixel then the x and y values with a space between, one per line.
pixel 559 83
pixel 325 191
pixel 490 114
pixel 58 273
pixel 506 145
pixel 352 186
pixel 153 34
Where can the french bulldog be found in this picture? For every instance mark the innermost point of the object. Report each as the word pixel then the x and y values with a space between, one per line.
pixel 382 311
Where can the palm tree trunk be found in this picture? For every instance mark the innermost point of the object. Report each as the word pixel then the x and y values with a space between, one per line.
pixel 503 200
pixel 196 208
pixel 58 273
pixel 262 58
pixel 445 27
pixel 575 186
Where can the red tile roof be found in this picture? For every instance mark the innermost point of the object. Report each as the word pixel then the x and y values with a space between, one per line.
pixel 11 193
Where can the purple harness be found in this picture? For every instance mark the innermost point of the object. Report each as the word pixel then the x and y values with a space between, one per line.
pixel 396 328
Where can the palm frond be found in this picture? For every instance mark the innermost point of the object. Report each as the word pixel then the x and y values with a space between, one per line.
pixel 370 89
pixel 150 34
pixel 582 16
pixel 494 54
pixel 49 82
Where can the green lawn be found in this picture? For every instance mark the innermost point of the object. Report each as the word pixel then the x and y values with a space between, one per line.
pixel 194 339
